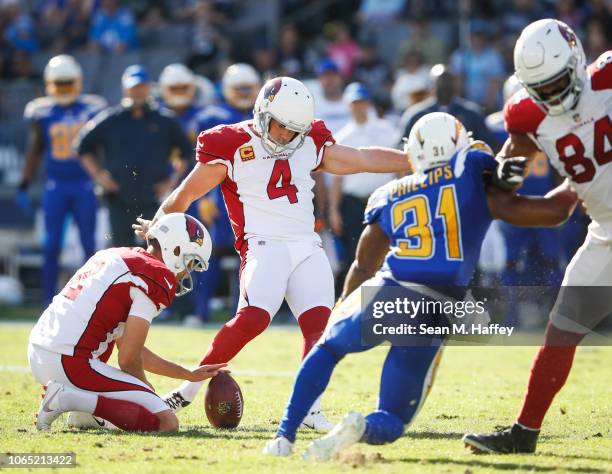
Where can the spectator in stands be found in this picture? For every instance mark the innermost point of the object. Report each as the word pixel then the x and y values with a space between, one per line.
pixel 598 38
pixel 137 142
pixel 113 29
pixel 207 42
pixel 348 195
pixel 522 12
pixel 342 48
pixel 431 48
pixel 568 12
pixel 265 61
pixel 63 24
pixel 480 68
pixel 151 27
pixel 378 13
pixel 19 66
pixel 330 106
pixel 411 81
pixel 290 53
pixel 444 99
pixel 373 72
pixel 20 34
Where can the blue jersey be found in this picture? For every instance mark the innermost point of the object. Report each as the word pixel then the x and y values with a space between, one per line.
pixel 222 114
pixel 60 125
pixel 189 119
pixel 436 221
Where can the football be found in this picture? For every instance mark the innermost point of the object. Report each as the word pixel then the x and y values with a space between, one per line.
pixel 223 402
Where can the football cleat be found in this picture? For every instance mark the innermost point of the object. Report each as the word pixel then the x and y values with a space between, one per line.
pixel 279 446
pixel 349 431
pixel 317 421
pixel 77 419
pixel 175 401
pixel 49 408
pixel 514 439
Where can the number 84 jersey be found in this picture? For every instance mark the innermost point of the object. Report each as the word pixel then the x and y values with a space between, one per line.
pixel 577 143
pixel 268 196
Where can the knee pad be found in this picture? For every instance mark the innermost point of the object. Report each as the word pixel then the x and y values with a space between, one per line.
pixel 382 427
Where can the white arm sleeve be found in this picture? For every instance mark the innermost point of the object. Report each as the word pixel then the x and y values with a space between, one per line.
pixel 142 306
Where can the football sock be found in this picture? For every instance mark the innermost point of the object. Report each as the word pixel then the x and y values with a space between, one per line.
pixel 382 427
pixel 312 378
pixel 248 323
pixel 312 324
pixel 72 399
pixel 549 372
pixel 128 416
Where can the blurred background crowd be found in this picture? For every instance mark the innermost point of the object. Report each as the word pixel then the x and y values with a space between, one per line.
pixel 375 66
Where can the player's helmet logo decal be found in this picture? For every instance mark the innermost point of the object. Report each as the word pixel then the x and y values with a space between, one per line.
pixel 568 34
pixel 194 230
pixel 272 88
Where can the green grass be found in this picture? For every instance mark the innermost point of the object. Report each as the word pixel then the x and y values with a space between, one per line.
pixel 476 389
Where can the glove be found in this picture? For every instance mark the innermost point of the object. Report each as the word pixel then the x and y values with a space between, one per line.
pixel 510 172
pixel 22 199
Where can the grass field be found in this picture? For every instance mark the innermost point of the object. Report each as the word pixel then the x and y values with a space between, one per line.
pixel 476 389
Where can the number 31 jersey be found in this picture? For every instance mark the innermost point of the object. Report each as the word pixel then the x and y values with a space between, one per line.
pixel 266 195
pixel 436 221
pixel 579 142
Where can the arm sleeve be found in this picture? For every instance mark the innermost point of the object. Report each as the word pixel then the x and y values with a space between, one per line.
pixel 142 306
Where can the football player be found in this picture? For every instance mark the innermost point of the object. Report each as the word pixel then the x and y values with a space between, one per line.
pixel 428 229
pixel 264 167
pixel 112 299
pixel 240 85
pixel 55 121
pixel 564 111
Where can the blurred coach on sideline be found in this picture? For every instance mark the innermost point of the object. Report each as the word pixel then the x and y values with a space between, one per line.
pixel 138 144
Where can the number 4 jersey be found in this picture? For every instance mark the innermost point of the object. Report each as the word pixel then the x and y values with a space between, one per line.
pixel 266 195
pixel 579 142
pixel 436 221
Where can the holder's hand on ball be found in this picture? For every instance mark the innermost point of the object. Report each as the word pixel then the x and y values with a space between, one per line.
pixel 205 372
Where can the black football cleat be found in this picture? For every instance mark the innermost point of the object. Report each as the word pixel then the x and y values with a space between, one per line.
pixel 175 401
pixel 508 440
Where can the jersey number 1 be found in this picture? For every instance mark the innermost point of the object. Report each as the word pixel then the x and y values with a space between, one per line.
pixel 421 228
pixel 280 182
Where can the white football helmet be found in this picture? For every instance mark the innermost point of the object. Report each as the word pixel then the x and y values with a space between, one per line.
pixel 185 245
pixel 548 51
pixel 240 85
pixel 290 103
pixel 177 84
pixel 434 139
pixel 63 79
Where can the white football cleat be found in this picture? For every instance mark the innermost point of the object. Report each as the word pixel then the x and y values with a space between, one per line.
pixel 77 419
pixel 49 408
pixel 317 421
pixel 349 431
pixel 279 446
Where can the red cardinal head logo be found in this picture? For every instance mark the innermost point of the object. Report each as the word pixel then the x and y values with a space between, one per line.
pixel 194 230
pixel 271 88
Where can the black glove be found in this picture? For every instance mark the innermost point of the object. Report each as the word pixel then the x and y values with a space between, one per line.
pixel 510 172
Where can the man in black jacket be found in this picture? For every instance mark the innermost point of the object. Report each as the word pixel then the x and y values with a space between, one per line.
pixel 137 142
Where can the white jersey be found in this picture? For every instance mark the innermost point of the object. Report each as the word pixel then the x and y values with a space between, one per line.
pixel 266 195
pixel 89 313
pixel 577 143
